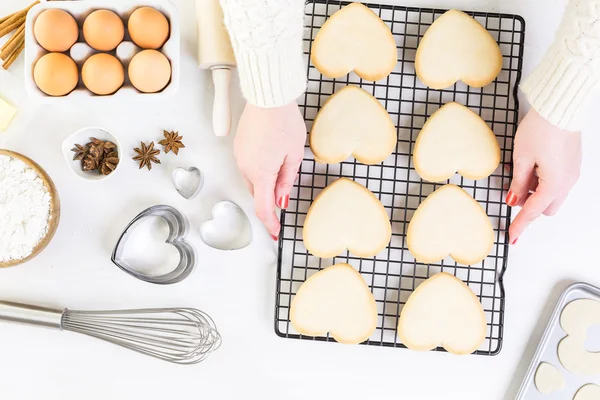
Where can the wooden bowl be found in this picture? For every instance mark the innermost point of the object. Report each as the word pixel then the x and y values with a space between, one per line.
pixel 54 208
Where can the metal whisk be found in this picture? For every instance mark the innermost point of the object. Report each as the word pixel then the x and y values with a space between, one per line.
pixel 178 335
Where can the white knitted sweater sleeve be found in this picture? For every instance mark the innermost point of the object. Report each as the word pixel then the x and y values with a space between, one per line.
pixel 267 41
pixel 559 88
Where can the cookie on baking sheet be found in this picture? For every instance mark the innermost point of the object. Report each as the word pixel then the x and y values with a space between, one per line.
pixel 455 139
pixel 575 320
pixel 588 392
pixel 548 379
pixel 456 47
pixel 346 215
pixel 335 300
pixel 443 311
pixel 450 222
pixel 352 122
pixel 355 39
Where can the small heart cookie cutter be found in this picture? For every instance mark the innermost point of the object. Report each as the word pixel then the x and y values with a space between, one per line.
pixel 178 228
pixel 188 182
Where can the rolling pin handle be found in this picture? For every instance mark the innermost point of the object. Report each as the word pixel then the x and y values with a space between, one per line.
pixel 221 109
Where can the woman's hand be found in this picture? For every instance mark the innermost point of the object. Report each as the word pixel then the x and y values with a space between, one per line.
pixel 269 147
pixel 546 163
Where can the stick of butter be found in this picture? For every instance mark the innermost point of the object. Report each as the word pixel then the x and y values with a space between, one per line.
pixel 7 113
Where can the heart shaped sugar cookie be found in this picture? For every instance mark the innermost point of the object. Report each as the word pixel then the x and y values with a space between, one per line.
pixel 450 222
pixel 455 139
pixel 352 122
pixel 548 379
pixel 443 311
pixel 456 47
pixel 335 300
pixel 576 318
pixel 588 392
pixel 346 215
pixel 355 38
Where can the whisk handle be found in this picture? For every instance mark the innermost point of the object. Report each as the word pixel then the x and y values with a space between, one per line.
pixel 30 315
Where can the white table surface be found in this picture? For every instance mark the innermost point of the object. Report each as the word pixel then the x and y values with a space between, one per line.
pixel 237 288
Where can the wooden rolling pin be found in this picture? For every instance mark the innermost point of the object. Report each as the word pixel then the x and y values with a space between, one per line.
pixel 215 53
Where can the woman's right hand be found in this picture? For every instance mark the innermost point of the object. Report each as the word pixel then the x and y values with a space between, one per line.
pixel 546 164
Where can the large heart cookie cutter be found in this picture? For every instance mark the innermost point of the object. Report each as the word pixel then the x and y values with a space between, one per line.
pixel 178 228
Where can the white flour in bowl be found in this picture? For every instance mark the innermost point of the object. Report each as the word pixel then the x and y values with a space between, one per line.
pixel 24 209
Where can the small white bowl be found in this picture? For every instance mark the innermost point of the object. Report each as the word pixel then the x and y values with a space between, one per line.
pixel 82 137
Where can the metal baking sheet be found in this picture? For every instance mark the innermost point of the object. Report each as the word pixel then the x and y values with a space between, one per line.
pixel 547 350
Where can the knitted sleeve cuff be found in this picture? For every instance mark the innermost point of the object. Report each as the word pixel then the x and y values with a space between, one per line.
pixel 273 77
pixel 560 86
pixel 266 36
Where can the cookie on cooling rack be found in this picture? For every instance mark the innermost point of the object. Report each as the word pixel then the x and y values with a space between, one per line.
pixel 450 222
pixel 455 139
pixel 456 47
pixel 443 311
pixel 355 39
pixel 352 122
pixel 346 215
pixel 335 300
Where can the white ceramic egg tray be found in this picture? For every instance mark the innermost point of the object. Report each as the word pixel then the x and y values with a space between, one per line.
pixel 80 52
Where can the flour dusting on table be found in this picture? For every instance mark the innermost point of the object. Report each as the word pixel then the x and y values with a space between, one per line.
pixel 24 209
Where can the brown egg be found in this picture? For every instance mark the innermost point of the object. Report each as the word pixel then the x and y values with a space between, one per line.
pixel 103 30
pixel 55 30
pixel 56 74
pixel 149 71
pixel 148 28
pixel 103 74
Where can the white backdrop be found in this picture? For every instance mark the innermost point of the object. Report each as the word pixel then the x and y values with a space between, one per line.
pixel 237 288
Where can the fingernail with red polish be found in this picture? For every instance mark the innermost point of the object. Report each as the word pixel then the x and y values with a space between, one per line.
pixel 511 199
pixel 284 201
pixel 514 241
pixel 275 238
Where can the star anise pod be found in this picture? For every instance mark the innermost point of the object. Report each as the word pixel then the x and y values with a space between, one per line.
pixel 109 163
pixel 146 155
pixel 89 163
pixel 109 147
pixel 80 152
pixel 172 142
pixel 97 155
pixel 96 147
pixel 95 141
pixel 96 151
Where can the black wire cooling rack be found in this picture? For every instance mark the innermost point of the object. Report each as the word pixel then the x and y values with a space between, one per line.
pixel 393 274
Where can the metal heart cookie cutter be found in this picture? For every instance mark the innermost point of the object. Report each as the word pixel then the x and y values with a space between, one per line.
pixel 178 228
pixel 229 228
pixel 188 182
